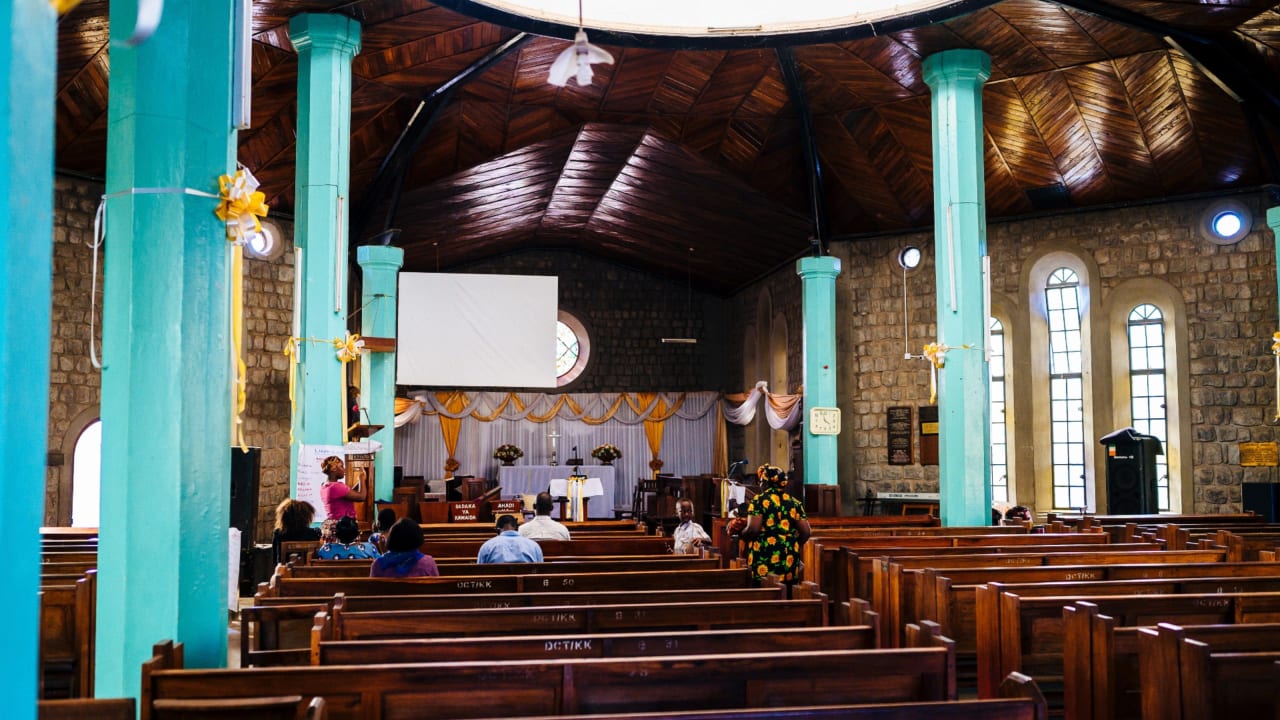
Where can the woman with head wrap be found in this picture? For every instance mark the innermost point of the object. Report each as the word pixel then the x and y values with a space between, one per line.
pixel 404 558
pixel 776 528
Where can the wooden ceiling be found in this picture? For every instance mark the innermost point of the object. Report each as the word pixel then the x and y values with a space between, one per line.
pixel 693 160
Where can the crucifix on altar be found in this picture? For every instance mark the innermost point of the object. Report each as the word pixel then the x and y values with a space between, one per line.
pixel 554 437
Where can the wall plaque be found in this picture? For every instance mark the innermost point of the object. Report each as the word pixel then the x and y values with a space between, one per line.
pixel 1259 454
pixel 898 420
pixel 929 435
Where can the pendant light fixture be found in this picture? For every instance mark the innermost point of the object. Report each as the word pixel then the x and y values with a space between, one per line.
pixel 576 60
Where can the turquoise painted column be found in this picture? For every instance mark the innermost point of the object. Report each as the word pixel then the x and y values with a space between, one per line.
pixel 960 242
pixel 818 301
pixel 28 59
pixel 325 44
pixel 166 399
pixel 381 265
pixel 1273 220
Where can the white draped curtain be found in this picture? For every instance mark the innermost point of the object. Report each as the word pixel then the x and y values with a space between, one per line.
pixel 781 411
pixel 688 437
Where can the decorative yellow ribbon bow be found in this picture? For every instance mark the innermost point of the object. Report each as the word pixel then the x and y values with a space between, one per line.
pixel 240 206
pixel 349 349
pixel 936 354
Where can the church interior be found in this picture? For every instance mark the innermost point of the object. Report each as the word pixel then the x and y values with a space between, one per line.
pixel 934 260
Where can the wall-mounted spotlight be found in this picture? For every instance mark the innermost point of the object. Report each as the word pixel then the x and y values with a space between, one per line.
pixel 909 257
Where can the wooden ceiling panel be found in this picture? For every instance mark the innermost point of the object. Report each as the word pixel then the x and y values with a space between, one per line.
pixel 862 80
pixel 1224 139
pixel 636 79
pixel 1057 119
pixel 687 76
pixel 1105 108
pixel 848 162
pixel 897 62
pixel 1009 123
pixel 1008 47
pixel 1157 99
pixel 710 151
pixel 1052 30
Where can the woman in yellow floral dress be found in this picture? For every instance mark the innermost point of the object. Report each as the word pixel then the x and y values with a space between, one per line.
pixel 776 529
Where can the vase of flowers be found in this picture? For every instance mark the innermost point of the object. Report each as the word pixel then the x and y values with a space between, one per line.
pixel 606 453
pixel 508 454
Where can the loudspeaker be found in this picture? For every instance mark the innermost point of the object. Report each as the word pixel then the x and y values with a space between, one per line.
pixel 397 476
pixel 245 468
pixel 1131 473
pixel 1262 499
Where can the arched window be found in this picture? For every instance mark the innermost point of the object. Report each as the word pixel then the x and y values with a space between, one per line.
pixel 86 478
pixel 1148 386
pixel 1066 389
pixel 573 348
pixel 999 438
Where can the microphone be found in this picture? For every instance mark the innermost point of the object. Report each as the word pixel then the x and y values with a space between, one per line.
pixel 367 420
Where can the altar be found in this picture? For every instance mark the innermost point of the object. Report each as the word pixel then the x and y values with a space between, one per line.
pixel 533 479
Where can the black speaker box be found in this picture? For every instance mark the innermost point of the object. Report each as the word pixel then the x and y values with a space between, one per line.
pixel 245 468
pixel 1262 499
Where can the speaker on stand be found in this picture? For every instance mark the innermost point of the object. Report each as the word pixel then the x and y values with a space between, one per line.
pixel 245 470
pixel 1131 472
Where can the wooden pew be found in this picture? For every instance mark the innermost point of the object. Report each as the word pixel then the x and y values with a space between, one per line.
pixel 67 638
pixel 1027 633
pixel 622 527
pixel 1223 672
pixel 633 545
pixel 337 624
pixel 468 566
pixel 594 645
pixel 87 709
pixel 263 627
pixel 574 686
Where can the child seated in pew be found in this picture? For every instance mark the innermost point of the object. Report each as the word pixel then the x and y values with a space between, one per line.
pixel 403 558
pixel 346 548
pixel 386 518
pixel 689 535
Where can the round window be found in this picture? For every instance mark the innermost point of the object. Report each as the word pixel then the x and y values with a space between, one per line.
pixel 1226 222
pixel 572 348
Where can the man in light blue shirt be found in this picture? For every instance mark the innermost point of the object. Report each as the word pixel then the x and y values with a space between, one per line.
pixel 508 546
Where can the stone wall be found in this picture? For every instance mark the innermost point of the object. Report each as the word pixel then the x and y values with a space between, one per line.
pixel 75 386
pixel 626 313
pixel 1229 297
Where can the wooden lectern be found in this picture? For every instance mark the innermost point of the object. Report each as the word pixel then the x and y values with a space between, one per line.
pixel 360 469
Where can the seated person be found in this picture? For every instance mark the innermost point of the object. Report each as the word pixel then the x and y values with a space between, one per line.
pixel 404 558
pixel 542 527
pixel 689 535
pixel 1017 515
pixel 293 524
pixel 347 531
pixel 508 546
pixel 386 518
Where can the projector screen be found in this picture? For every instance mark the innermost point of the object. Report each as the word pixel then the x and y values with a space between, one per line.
pixel 458 330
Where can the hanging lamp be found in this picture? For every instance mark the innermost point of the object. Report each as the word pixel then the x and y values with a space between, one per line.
pixel 577 59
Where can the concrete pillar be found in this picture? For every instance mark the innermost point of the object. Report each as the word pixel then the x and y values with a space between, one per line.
pixel 381 265
pixel 1273 221
pixel 28 60
pixel 818 299
pixel 960 242
pixel 325 44
pixel 166 398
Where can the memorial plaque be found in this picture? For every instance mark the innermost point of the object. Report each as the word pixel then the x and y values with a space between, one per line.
pixel 929 435
pixel 1259 454
pixel 898 421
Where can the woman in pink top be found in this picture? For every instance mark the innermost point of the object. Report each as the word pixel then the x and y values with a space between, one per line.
pixel 339 500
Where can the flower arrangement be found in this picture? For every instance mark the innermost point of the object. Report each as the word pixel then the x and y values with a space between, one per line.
pixel 606 453
pixel 508 453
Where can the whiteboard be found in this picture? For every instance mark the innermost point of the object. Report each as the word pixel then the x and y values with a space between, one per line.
pixel 460 330
pixel 310 477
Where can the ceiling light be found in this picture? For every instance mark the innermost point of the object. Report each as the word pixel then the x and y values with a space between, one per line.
pixel 576 60
pixel 909 257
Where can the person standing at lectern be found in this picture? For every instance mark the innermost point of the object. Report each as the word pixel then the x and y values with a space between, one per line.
pixel 339 500
pixel 507 546
pixel 353 405
pixel 542 527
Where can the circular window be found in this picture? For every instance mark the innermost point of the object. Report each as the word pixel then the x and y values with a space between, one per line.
pixel 572 348
pixel 909 257
pixel 265 244
pixel 1226 222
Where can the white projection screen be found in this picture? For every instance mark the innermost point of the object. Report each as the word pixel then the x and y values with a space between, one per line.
pixel 458 330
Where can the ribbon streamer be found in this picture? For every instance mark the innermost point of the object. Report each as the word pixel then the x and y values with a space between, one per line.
pixel 291 352
pixel 349 348
pixel 577 486
pixel 1275 350
pixel 936 354
pixel 240 206
pixel 62 7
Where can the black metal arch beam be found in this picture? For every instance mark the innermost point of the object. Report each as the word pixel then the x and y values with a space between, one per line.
pixel 390 175
pixel 813 163
pixel 1224 57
